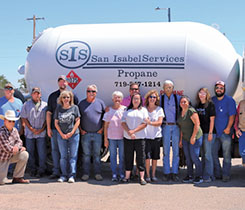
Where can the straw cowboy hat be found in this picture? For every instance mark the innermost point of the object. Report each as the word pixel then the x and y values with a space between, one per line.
pixel 9 115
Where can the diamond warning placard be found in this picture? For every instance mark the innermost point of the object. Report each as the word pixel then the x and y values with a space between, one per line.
pixel 73 79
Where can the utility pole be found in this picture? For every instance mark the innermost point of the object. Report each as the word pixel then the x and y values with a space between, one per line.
pixel 34 18
pixel 169 12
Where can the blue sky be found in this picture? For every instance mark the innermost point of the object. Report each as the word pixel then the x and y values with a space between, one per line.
pixel 16 31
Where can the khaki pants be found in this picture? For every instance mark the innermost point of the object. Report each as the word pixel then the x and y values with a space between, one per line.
pixel 20 159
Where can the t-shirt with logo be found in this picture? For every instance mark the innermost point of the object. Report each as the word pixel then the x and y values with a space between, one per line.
pixel 67 118
pixel 205 111
pixel 224 109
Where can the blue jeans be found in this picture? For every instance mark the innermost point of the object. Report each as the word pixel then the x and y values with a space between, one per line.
pixel 55 153
pixel 207 156
pixel 170 132
pixel 225 141
pixel 192 156
pixel 68 155
pixel 40 144
pixel 242 146
pixel 114 144
pixel 91 144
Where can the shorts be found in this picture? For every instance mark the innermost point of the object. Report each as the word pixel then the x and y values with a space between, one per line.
pixel 152 148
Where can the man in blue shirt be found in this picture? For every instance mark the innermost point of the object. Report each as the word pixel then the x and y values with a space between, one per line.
pixel 9 102
pixel 170 131
pixel 92 110
pixel 225 108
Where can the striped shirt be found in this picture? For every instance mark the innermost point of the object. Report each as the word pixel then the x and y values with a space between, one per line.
pixel 36 115
pixel 7 141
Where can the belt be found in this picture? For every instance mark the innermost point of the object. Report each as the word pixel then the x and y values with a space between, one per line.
pixel 167 123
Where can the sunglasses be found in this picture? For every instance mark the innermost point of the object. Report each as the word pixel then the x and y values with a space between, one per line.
pixel 64 97
pixel 134 89
pixel 8 88
pixel 221 88
pixel 152 97
pixel 11 121
pixel 91 91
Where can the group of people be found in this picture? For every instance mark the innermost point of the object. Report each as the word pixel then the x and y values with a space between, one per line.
pixel 133 124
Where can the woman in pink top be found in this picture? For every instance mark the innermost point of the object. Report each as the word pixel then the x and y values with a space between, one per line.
pixel 113 135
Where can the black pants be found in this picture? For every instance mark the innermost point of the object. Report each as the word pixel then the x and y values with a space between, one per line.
pixel 131 145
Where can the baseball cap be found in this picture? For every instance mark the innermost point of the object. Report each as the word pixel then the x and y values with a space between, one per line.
pixel 61 77
pixel 220 82
pixel 8 85
pixel 36 89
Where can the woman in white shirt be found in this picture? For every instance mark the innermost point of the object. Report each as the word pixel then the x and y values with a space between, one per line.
pixel 153 132
pixel 134 124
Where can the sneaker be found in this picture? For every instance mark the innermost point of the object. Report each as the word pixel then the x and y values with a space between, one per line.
pixel 197 180
pixel 166 177
pixel 85 177
pixel 225 179
pixel 61 179
pixel 143 182
pixel 175 178
pixel 154 179
pixel 207 180
pixel 98 177
pixel 187 179
pixel 121 177
pixel 114 178
pixel 148 179
pixel 71 180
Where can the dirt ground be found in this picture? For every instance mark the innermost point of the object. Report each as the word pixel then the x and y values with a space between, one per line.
pixel 47 194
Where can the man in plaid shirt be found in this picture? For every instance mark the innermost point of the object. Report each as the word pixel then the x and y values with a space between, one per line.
pixel 11 150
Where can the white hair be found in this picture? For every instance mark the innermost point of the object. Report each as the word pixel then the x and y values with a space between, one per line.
pixel 93 86
pixel 168 82
pixel 117 93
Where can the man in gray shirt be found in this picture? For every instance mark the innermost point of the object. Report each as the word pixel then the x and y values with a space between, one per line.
pixel 92 110
pixel 33 115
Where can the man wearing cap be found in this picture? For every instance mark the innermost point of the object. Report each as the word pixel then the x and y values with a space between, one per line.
pixel 170 131
pixel 225 108
pixel 52 132
pixel 33 114
pixel 9 102
pixel 11 149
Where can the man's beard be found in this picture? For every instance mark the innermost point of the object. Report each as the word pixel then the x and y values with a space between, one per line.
pixel 219 94
pixel 63 87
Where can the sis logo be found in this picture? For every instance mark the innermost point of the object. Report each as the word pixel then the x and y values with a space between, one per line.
pixel 73 54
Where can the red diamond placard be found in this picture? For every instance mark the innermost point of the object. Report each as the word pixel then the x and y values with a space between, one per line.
pixel 73 79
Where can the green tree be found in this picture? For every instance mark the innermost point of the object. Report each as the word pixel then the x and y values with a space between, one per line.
pixel 23 86
pixel 3 81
